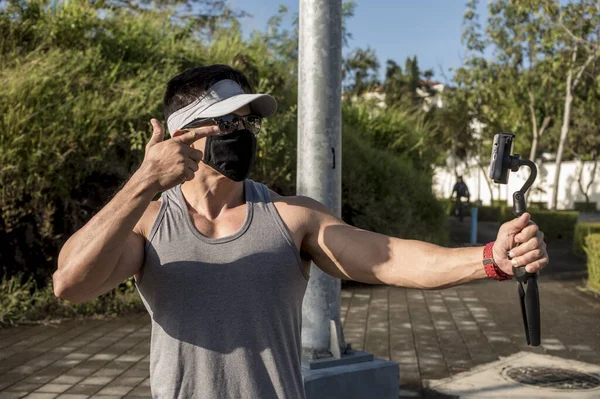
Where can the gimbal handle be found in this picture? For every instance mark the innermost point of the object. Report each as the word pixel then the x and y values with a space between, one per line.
pixel 529 299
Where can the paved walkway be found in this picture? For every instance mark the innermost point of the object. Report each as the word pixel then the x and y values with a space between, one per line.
pixel 431 334
pixel 76 360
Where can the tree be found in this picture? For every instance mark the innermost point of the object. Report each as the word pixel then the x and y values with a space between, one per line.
pixel 579 37
pixel 360 71
pixel 584 137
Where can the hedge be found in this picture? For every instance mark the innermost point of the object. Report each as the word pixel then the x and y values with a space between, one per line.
pixel 489 214
pixel 586 206
pixel 592 248
pixel 543 205
pixel 499 203
pixel 384 192
pixel 555 225
pixel 582 230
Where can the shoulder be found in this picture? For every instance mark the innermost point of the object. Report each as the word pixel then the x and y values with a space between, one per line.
pixel 306 210
pixel 145 223
pixel 298 203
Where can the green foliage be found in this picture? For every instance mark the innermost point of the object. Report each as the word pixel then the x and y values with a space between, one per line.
pixel 397 130
pixel 22 300
pixel 489 214
pixel 447 205
pixel 360 71
pixel 555 225
pixel 592 249
pixel 582 230
pixel 586 206
pixel 385 193
pixel 541 205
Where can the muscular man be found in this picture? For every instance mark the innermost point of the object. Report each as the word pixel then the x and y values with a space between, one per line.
pixel 221 262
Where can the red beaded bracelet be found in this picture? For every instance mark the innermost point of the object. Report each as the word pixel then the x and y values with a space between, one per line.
pixel 491 268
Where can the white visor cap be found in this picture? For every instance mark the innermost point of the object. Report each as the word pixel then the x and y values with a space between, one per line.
pixel 220 99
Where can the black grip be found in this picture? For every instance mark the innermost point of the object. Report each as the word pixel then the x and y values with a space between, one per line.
pixel 523 310
pixel 522 275
pixel 519 205
pixel 532 305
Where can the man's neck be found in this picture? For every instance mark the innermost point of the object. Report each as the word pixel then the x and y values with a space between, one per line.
pixel 213 194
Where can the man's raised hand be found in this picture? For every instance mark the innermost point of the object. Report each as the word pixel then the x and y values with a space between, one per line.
pixel 168 163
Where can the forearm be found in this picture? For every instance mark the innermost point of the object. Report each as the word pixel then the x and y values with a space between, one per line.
pixel 91 254
pixel 429 266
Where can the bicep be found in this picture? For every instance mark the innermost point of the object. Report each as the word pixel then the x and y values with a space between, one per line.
pixel 345 251
pixel 129 264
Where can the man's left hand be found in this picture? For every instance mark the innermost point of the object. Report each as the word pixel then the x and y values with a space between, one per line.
pixel 520 243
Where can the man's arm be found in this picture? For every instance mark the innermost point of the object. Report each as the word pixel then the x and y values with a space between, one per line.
pixel 347 252
pixel 110 247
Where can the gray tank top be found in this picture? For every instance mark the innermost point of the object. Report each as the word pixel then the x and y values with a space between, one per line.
pixel 226 313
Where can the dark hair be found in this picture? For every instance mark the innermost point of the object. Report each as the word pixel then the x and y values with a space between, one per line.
pixel 186 87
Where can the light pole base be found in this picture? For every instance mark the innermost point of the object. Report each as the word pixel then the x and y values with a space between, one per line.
pixel 355 378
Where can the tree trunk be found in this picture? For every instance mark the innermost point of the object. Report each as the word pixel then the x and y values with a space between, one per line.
pixel 534 130
pixel 488 183
pixel 592 177
pixel 579 183
pixel 536 138
pixel 564 130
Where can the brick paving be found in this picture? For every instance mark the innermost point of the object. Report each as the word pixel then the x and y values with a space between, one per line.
pixel 431 334
pixel 76 360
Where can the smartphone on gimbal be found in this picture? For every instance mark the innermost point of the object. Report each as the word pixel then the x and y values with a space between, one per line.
pixel 500 163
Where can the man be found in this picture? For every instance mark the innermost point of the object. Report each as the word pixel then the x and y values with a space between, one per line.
pixel 461 190
pixel 222 263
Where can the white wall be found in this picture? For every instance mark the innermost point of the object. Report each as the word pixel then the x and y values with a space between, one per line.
pixel 541 190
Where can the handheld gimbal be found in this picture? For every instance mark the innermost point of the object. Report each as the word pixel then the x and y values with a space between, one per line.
pixel 500 166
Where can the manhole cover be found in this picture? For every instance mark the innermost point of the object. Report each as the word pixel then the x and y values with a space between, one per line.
pixel 547 377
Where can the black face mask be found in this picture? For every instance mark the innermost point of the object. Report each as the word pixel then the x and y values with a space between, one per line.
pixel 231 154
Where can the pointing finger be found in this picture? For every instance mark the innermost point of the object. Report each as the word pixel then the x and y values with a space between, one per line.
pixel 196 134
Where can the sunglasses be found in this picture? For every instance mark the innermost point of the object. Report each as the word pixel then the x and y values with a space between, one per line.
pixel 229 123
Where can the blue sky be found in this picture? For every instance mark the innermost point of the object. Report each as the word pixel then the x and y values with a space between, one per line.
pixel 395 29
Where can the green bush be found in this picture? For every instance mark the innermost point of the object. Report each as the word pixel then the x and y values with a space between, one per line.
pixel 22 300
pixel 447 205
pixel 499 203
pixel 372 201
pixel 582 230
pixel 586 206
pixel 542 205
pixel 489 214
pixel 592 248
pixel 558 225
pixel 555 225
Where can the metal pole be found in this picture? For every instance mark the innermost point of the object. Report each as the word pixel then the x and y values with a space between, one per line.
pixel 319 167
